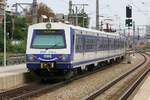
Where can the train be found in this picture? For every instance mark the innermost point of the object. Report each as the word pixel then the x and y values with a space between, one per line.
pixel 59 49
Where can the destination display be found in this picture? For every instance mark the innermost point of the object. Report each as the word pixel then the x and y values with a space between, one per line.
pixel 48 31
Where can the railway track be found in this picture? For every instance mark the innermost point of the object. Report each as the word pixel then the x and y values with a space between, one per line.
pixel 38 89
pixel 128 91
pixel 28 91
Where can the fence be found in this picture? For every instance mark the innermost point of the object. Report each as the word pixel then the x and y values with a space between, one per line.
pixel 12 60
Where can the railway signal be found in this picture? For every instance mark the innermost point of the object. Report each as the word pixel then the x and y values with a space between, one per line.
pixel 128 11
pixel 128 22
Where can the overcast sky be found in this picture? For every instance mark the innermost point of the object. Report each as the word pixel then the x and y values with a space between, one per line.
pixel 114 9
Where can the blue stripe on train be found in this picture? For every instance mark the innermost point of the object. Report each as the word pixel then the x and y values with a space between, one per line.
pixel 67 66
pixel 93 60
pixel 49 57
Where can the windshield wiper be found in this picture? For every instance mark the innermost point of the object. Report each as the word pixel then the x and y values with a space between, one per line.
pixel 52 46
pixel 56 45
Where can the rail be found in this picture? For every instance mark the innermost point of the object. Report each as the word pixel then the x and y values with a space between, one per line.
pixel 100 91
pixel 40 89
pixel 131 89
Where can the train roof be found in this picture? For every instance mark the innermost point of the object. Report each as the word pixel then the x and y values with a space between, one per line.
pixel 75 27
pixel 94 30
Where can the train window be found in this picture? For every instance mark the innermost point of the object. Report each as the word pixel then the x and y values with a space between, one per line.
pixel 117 43
pixel 104 43
pixel 48 39
pixel 90 43
pixel 79 43
pixel 111 43
pixel 100 43
pixel 107 44
pixel 114 43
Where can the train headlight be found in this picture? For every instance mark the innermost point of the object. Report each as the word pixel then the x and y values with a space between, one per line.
pixel 30 57
pixel 63 57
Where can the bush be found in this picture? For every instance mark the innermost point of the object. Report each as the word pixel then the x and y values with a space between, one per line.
pixel 19 48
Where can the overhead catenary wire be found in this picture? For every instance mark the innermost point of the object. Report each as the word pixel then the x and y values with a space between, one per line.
pixel 139 9
pixel 66 2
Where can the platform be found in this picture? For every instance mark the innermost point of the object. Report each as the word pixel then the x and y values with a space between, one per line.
pixel 13 69
pixel 12 76
pixel 144 91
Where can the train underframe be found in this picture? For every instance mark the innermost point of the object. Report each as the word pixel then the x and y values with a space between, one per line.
pixel 49 71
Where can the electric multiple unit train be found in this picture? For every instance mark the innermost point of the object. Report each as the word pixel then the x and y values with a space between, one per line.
pixel 56 48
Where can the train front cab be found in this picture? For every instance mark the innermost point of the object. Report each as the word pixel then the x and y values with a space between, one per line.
pixel 48 50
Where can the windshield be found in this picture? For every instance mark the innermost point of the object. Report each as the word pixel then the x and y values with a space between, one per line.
pixel 48 39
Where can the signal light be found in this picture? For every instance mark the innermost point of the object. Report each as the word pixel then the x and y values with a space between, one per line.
pixel 129 22
pixel 128 11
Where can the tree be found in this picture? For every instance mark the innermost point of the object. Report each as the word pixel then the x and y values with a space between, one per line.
pixel 1 39
pixel 43 9
pixel 20 32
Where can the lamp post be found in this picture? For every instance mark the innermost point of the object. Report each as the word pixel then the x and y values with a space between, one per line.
pixel 4 32
pixel 101 23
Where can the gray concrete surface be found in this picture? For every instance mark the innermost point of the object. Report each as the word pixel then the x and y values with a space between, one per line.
pixel 144 92
pixel 13 69
pixel 14 76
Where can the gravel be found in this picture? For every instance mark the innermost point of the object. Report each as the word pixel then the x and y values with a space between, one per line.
pixel 78 89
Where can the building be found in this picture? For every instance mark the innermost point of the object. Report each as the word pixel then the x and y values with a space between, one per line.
pixel 148 32
pixel 60 17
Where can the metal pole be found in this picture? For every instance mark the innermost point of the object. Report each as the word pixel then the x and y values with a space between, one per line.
pixel 13 27
pixel 97 14
pixel 70 7
pixel 76 23
pixel 34 12
pixel 70 19
pixel 128 48
pixel 16 9
pixel 5 33
pixel 138 31
pixel 133 37
pixel 83 21
pixel 101 28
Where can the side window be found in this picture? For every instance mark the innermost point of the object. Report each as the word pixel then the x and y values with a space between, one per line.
pixel 107 43
pixel 117 43
pixel 114 43
pixel 100 43
pixel 104 43
pixel 90 43
pixel 111 43
pixel 79 43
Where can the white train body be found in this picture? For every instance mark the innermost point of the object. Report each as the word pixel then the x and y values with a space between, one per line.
pixel 63 47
